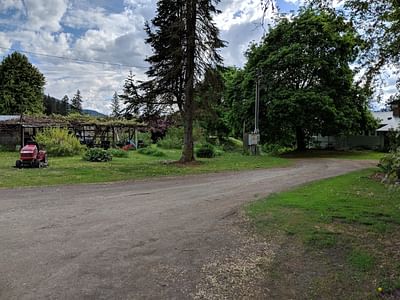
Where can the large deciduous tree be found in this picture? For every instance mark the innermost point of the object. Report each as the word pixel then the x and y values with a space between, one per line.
pixel 21 86
pixel 185 42
pixel 307 85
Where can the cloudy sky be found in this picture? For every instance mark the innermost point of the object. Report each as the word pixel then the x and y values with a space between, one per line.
pixel 98 31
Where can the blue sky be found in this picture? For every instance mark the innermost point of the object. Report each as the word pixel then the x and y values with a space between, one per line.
pixel 110 31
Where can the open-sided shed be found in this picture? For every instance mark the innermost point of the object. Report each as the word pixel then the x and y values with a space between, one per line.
pixel 101 132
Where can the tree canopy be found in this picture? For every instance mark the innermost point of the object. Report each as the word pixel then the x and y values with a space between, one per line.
pixel 21 86
pixel 307 85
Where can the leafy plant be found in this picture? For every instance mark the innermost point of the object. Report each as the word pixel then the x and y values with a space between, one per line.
pixel 394 139
pixel 59 142
pixel 151 151
pixel 97 155
pixel 275 149
pixel 118 152
pixel 205 151
pixel 145 137
pixel 231 144
pixel 390 165
pixel 173 139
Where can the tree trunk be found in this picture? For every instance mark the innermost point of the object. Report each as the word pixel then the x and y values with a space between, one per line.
pixel 300 139
pixel 187 154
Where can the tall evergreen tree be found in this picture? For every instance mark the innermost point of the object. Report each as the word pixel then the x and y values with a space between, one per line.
pixel 65 105
pixel 130 96
pixel 76 104
pixel 115 106
pixel 185 42
pixel 21 86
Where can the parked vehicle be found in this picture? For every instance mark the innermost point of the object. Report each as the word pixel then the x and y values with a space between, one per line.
pixel 31 156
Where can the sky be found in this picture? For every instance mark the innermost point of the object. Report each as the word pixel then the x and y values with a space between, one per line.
pixel 107 38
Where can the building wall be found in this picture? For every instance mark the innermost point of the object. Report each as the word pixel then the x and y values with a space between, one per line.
pixel 9 138
pixel 350 142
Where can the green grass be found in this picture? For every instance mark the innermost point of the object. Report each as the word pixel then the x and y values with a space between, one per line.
pixel 374 155
pixel 347 229
pixel 71 170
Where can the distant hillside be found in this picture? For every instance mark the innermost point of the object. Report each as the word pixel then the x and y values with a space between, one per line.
pixel 92 113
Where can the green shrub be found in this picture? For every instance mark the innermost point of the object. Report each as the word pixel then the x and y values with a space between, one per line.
pixel 118 152
pixel 145 137
pixel 275 149
pixel 205 151
pixel 173 139
pixel 97 155
pixel 390 165
pixel 231 144
pixel 393 140
pixel 59 142
pixel 151 151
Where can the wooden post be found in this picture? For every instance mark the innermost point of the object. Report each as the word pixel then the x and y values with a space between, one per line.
pixel 136 138
pixel 22 136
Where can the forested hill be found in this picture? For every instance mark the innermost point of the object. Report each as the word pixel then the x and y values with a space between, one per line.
pixel 53 105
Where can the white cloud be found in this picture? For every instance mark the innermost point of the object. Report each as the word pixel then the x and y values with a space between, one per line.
pixel 236 12
pixel 10 4
pixel 44 14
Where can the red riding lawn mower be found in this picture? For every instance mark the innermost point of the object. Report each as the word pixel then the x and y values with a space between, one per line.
pixel 31 156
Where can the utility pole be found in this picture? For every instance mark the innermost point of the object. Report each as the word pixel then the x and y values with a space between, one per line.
pixel 257 106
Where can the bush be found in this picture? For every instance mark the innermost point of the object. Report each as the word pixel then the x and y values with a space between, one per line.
pixel 393 140
pixel 276 149
pixel 145 137
pixel 205 151
pixel 151 151
pixel 173 139
pixel 118 152
pixel 390 165
pixel 59 142
pixel 97 155
pixel 232 145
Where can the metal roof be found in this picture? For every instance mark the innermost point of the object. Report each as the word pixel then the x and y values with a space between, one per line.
pixel 8 117
pixel 387 121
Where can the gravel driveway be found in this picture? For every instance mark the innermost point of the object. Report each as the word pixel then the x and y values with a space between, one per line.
pixel 154 239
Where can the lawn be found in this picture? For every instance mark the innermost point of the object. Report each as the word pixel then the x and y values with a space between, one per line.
pixel 71 170
pixel 374 155
pixel 340 239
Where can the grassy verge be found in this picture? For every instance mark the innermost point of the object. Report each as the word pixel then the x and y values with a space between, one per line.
pixel 374 155
pixel 73 170
pixel 340 239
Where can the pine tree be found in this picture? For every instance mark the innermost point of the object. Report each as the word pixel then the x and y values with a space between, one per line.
pixel 130 96
pixel 185 42
pixel 115 106
pixel 76 105
pixel 65 105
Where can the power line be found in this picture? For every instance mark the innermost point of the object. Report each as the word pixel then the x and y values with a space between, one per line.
pixel 75 59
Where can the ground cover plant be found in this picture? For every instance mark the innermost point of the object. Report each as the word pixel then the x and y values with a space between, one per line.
pixel 73 170
pixel 339 239
pixel 97 155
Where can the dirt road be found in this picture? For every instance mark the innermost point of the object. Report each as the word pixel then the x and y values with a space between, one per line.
pixel 156 239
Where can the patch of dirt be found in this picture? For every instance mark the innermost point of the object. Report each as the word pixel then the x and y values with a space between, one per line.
pixel 237 272
pixel 378 176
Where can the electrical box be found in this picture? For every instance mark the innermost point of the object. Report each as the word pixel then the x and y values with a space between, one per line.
pixel 254 139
